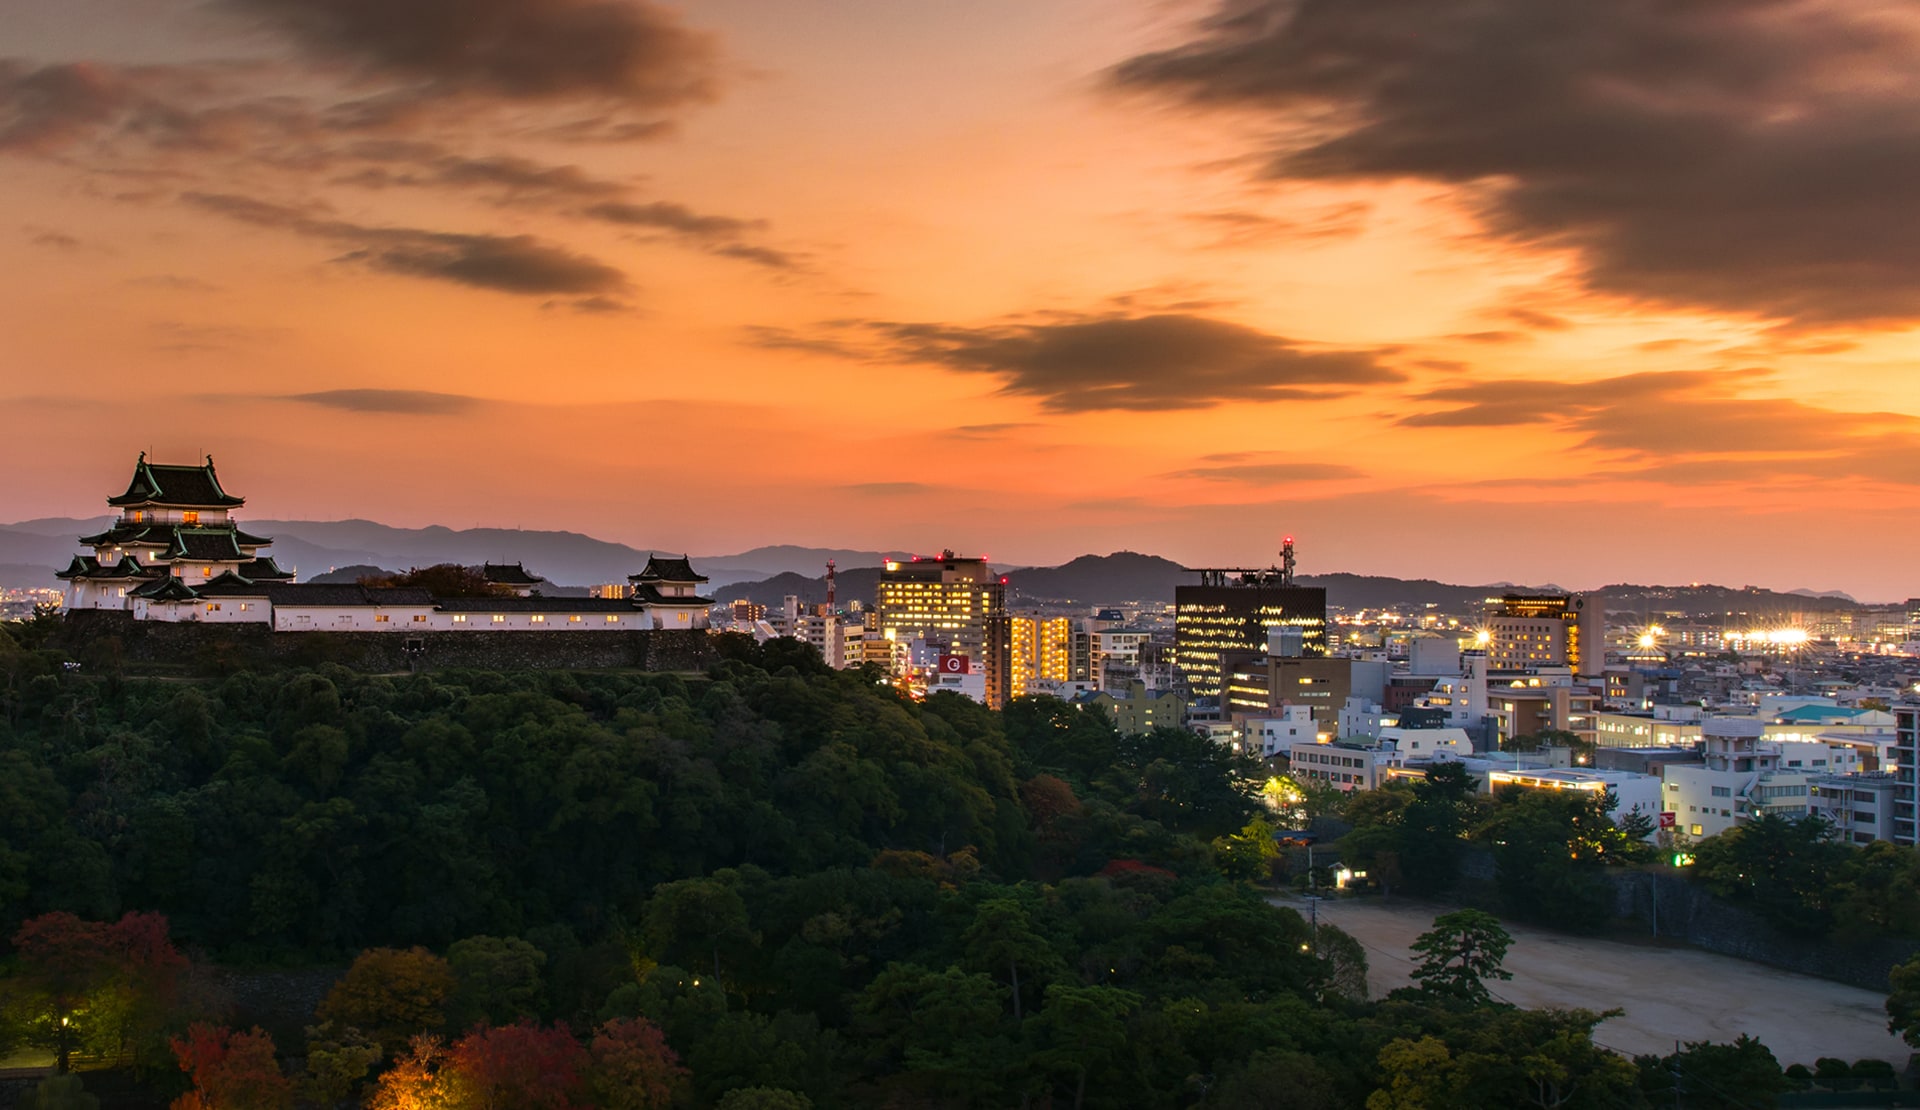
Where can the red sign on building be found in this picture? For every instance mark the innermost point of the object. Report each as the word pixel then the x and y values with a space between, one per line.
pixel 954 664
pixel 1669 819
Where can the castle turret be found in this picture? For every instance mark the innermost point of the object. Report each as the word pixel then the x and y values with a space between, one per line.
pixel 175 540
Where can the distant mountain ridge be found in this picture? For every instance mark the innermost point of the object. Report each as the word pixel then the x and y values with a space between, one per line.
pixel 1127 576
pixel 31 551
pixel 316 547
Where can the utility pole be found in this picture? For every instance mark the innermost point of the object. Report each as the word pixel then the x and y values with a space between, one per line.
pixel 1313 890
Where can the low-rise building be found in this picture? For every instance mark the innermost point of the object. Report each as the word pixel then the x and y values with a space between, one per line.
pixel 1743 775
pixel 1346 767
pixel 1277 735
pixel 1859 806
pixel 1140 710
pixel 1631 791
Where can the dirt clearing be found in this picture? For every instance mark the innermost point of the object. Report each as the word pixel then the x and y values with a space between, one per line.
pixel 1668 994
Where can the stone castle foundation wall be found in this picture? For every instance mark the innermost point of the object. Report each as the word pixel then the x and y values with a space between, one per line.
pixel 102 636
pixel 1675 907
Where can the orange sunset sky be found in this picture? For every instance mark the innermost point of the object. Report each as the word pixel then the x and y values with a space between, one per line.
pixel 1529 290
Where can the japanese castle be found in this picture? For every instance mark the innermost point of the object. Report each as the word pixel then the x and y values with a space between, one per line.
pixel 176 554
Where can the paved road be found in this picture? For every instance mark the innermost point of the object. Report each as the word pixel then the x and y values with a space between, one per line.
pixel 1668 994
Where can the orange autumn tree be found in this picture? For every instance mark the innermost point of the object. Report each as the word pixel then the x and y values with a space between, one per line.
pixel 628 1066
pixel 414 1081
pixel 230 1071
pixel 391 995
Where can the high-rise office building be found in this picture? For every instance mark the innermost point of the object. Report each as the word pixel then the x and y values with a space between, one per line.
pixel 950 605
pixel 1234 611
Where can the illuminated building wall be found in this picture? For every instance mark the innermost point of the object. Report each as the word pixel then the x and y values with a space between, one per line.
pixel 1211 621
pixel 1042 649
pixel 1023 634
pixel 1525 631
pixel 953 603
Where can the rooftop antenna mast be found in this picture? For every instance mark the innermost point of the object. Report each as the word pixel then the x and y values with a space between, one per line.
pixel 830 587
pixel 1286 562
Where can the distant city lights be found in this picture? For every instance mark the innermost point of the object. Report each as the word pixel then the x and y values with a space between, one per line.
pixel 1777 637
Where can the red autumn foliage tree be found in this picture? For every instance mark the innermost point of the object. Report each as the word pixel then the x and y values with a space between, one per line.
pixel 516 1067
pixel 631 1067
pixel 95 984
pixel 230 1071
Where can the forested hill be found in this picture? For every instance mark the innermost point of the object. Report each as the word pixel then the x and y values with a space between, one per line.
pixel 771 886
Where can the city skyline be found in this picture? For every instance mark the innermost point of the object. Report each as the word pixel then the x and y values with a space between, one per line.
pixel 1034 280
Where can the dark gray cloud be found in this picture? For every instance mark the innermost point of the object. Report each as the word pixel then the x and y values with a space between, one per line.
pixel 991 431
pixel 599 306
pixel 179 283
pixel 1166 361
pixel 1515 402
pixel 668 216
pixel 191 336
pixel 625 51
pixel 522 182
pixel 511 179
pixel 1670 416
pixel 411 402
pixel 124 119
pixel 45 107
pixel 769 257
pixel 388 95
pixel 1242 228
pixel 58 240
pixel 1271 473
pixel 890 489
pixel 719 235
pixel 832 341
pixel 507 263
pixel 1748 156
pixel 1534 318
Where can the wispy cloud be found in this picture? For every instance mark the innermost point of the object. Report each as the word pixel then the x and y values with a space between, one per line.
pixel 890 489
pixel 410 402
pixel 511 264
pixel 1274 473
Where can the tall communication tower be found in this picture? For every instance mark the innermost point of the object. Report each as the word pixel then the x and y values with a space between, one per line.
pixel 1286 562
pixel 830 587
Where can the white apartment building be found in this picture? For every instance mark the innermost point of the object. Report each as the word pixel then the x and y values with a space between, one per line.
pixel 1744 775
pixel 1345 767
pixel 1271 736
pixel 1352 767
pixel 1363 718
